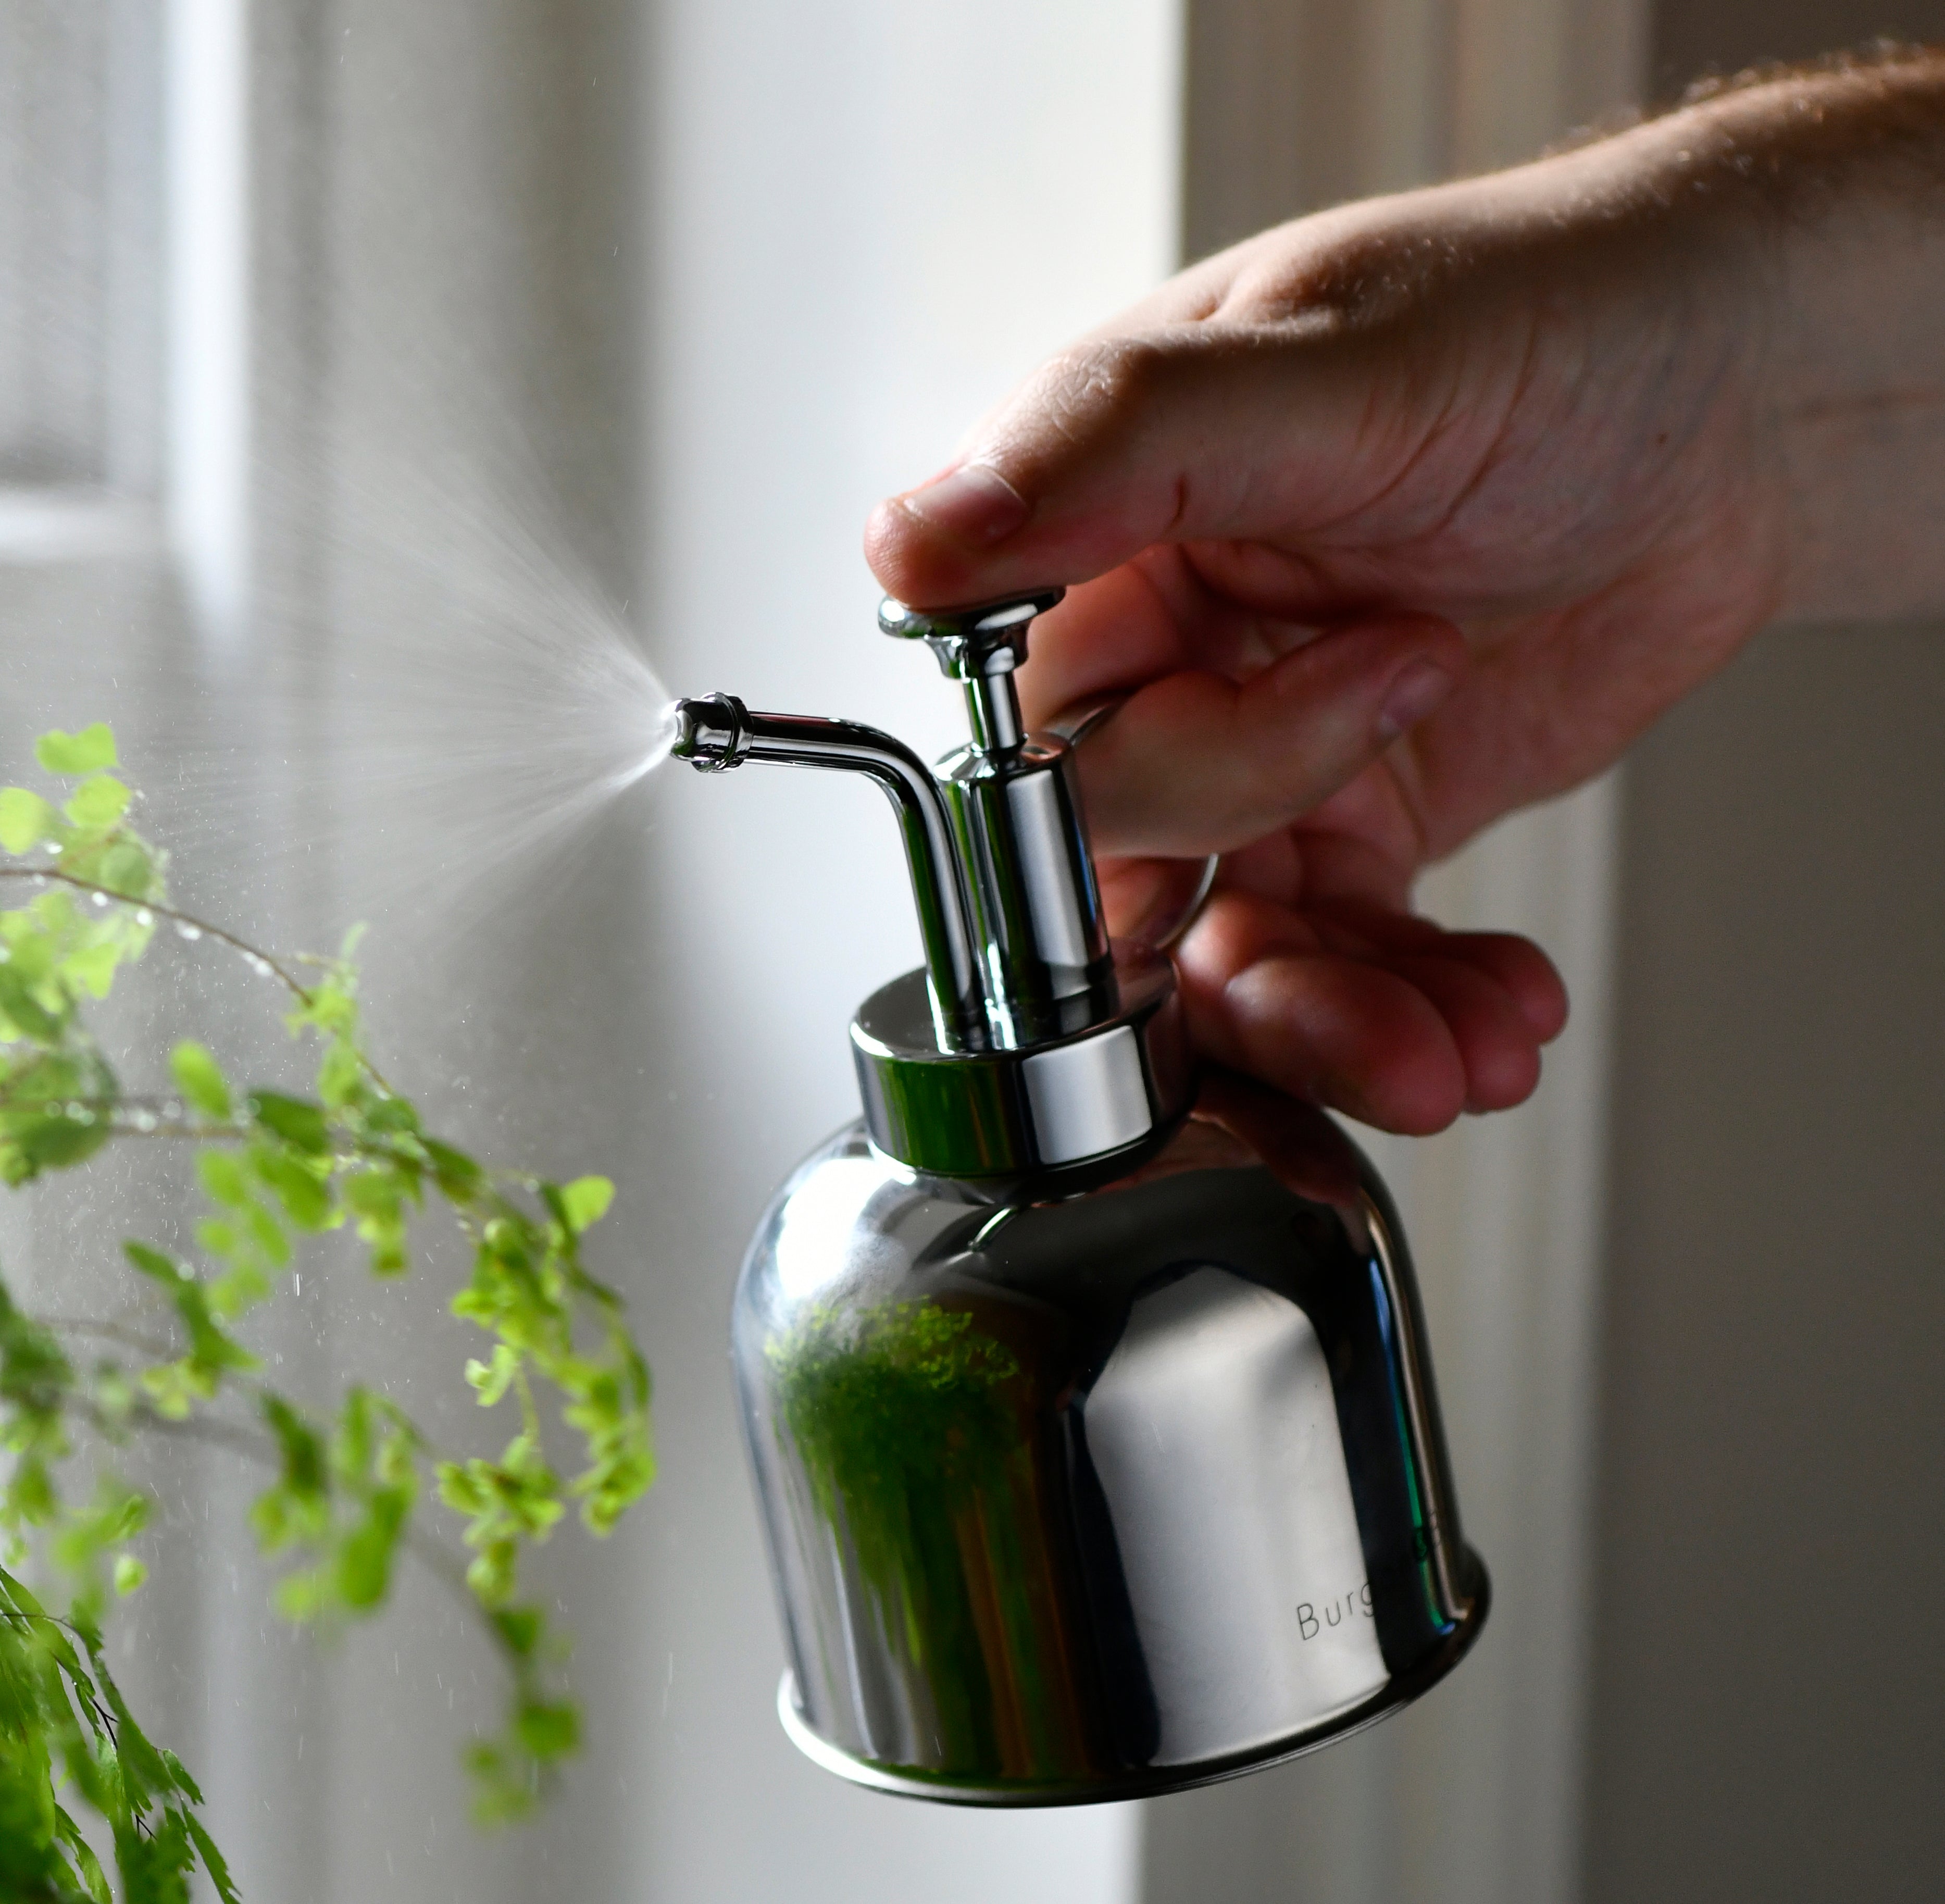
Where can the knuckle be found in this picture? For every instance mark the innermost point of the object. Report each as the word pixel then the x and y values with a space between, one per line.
pixel 1100 385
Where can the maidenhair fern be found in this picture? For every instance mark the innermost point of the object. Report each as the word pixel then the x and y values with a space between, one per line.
pixel 345 1494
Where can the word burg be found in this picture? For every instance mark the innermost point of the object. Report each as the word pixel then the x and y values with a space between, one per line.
pixel 1334 1613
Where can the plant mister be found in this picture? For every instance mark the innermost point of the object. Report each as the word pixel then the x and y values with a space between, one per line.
pixel 1089 1402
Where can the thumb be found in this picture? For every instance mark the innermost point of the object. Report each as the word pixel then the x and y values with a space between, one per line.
pixel 1187 432
pixel 1196 763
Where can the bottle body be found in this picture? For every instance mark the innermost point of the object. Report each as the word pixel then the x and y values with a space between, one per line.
pixel 1087 1498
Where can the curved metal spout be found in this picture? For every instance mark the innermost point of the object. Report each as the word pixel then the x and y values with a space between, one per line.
pixel 718 732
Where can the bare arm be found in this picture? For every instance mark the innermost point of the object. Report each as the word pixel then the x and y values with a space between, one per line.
pixel 1855 392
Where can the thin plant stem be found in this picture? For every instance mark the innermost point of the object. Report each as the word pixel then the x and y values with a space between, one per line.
pixel 115 1332
pixel 298 990
pixel 253 953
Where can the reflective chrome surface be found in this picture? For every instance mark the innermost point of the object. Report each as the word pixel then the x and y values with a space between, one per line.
pixel 716 733
pixel 1097 1449
pixel 1096 1096
pixel 1085 1498
pixel 1026 1044
pixel 1018 819
pixel 1015 804
pixel 978 646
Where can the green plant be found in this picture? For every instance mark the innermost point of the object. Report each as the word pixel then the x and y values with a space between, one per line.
pixel 344 1496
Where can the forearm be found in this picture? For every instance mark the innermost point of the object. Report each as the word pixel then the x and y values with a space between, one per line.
pixel 1847 171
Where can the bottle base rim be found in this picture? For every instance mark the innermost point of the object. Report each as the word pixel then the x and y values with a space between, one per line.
pixel 1137 1781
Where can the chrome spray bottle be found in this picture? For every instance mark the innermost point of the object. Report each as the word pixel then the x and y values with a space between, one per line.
pixel 1089 1402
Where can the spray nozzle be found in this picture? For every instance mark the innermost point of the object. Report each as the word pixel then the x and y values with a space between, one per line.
pixel 712 734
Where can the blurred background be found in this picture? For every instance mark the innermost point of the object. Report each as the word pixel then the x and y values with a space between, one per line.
pixel 381 387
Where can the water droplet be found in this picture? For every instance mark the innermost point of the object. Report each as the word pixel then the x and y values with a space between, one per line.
pixel 173 1110
pixel 144 917
pixel 99 899
pixel 185 930
pixel 143 1121
pixel 258 964
pixel 52 848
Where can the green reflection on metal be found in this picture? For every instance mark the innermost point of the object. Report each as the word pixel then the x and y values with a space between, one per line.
pixel 959 1118
pixel 916 1459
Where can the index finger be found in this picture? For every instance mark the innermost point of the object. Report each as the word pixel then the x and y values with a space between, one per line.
pixel 1183 432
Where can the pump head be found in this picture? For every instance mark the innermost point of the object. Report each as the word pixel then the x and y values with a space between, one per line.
pixel 1027 1044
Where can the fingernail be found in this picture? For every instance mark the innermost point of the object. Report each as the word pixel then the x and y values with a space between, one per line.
pixel 1420 686
pixel 974 502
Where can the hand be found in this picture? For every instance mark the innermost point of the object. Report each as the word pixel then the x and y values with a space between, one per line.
pixel 1388 521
